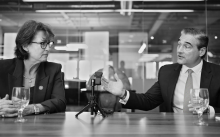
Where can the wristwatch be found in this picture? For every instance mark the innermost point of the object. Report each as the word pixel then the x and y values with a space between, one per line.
pixel 36 109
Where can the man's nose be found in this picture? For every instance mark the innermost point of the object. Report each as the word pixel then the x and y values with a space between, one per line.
pixel 180 48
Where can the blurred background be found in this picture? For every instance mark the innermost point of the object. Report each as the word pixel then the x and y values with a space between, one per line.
pixel 135 37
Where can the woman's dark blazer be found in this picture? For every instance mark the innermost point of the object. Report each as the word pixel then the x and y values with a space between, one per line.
pixel 48 90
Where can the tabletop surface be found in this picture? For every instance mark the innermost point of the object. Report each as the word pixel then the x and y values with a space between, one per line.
pixel 118 125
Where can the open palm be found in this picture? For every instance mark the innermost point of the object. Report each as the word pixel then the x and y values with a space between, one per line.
pixel 115 87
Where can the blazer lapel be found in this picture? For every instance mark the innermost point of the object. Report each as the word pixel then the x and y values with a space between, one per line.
pixel 173 78
pixel 16 79
pixel 206 75
pixel 40 84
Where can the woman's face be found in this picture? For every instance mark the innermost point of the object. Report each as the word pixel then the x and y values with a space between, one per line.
pixel 36 53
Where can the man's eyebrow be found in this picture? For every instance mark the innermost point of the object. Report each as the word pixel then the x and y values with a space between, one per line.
pixel 189 43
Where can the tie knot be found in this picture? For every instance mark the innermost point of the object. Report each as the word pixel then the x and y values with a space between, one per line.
pixel 190 71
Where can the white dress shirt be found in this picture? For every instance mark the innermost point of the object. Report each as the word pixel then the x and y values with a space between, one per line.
pixel 180 86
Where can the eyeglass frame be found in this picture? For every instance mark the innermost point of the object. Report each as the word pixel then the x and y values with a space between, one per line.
pixel 44 45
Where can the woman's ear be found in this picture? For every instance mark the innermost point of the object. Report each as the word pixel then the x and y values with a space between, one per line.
pixel 25 48
pixel 202 51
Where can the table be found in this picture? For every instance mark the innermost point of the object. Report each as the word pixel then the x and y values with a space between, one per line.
pixel 117 125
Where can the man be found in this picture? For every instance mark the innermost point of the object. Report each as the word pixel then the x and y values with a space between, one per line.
pixel 173 80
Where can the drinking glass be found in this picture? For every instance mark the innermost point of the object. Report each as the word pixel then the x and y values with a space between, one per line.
pixel 20 99
pixel 200 102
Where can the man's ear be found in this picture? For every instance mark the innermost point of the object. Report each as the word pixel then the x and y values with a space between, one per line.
pixel 202 51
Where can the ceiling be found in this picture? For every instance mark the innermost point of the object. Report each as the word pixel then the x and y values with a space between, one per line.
pixel 87 16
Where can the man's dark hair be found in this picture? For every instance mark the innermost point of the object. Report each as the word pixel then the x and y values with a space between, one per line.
pixel 26 34
pixel 200 35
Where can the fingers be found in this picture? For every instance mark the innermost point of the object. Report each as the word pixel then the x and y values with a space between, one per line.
pixel 104 82
pixel 9 110
pixel 116 76
pixel 9 115
pixel 7 106
pixel 5 102
pixel 191 109
pixel 6 97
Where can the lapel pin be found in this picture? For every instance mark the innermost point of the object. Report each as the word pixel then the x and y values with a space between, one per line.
pixel 41 87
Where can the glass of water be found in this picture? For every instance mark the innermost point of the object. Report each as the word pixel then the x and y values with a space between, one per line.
pixel 20 99
pixel 200 102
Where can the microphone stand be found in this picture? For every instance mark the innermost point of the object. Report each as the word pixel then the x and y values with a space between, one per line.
pixel 92 103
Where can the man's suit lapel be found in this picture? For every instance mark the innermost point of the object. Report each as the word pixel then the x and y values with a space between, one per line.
pixel 173 78
pixel 16 79
pixel 40 84
pixel 206 75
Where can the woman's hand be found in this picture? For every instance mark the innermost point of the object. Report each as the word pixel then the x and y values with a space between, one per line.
pixel 28 110
pixel 7 109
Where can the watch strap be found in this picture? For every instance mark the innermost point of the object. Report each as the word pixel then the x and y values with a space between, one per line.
pixel 36 109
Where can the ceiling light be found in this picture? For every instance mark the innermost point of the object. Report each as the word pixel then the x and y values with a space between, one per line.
pixel 142 48
pixel 164 41
pixel 167 0
pixel 75 11
pixel 210 54
pixel 152 37
pixel 132 10
pixel 154 10
pixel 102 0
pixel 216 37
pixel 59 41
pixel 72 47
pixel 60 47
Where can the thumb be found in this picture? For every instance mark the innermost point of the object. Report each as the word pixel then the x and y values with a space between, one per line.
pixel 6 97
pixel 116 77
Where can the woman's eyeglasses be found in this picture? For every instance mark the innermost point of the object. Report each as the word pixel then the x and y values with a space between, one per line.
pixel 45 44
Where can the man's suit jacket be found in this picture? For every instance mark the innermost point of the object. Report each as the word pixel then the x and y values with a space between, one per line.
pixel 48 89
pixel 163 90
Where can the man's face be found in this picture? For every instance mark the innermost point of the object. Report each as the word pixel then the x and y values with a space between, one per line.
pixel 187 51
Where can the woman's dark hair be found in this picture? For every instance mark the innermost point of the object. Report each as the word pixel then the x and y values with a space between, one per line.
pixel 26 34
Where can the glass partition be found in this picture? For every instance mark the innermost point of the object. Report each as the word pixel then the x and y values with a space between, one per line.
pixel 135 37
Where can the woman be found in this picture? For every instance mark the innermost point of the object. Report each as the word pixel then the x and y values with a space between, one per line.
pixel 30 69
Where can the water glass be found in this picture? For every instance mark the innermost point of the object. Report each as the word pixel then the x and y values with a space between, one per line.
pixel 20 99
pixel 200 102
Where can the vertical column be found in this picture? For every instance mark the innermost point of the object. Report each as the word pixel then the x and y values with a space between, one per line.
pixel 1 43
pixel 174 52
pixel 9 45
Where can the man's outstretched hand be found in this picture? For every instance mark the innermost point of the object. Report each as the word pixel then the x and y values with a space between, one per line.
pixel 114 87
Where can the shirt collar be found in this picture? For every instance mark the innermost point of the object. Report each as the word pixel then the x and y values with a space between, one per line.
pixel 196 69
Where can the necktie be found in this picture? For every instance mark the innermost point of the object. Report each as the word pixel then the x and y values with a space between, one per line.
pixel 188 86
